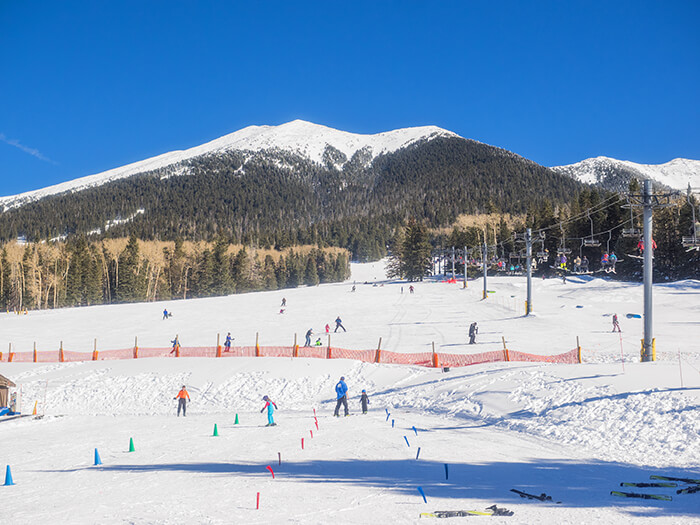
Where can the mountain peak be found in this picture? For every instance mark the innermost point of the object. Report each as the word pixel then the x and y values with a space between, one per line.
pixel 300 137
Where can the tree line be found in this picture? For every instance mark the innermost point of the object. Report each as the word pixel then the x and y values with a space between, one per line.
pixel 81 272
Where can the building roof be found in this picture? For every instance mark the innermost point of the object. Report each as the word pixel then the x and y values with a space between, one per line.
pixel 4 382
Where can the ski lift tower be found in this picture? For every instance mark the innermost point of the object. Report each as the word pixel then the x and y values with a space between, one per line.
pixel 648 201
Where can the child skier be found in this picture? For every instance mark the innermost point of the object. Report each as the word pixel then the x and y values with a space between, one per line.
pixel 271 406
pixel 364 401
pixel 227 343
pixel 182 397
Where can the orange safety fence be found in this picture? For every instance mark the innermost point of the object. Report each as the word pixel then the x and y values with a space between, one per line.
pixel 427 359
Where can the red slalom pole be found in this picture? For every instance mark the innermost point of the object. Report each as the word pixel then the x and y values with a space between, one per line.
pixel 257 502
pixel 302 443
pixel 316 422
pixel 312 433
pixel 271 471
pixel 314 412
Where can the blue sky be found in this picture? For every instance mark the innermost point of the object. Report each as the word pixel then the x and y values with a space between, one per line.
pixel 86 86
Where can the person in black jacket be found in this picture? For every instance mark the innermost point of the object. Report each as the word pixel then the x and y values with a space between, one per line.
pixel 473 330
pixel 364 401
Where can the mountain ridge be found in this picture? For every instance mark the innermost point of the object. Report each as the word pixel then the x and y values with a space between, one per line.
pixel 614 174
pixel 305 139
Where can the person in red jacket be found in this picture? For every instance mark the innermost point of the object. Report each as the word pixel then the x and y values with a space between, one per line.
pixel 183 397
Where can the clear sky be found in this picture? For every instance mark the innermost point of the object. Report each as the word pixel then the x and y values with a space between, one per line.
pixel 86 86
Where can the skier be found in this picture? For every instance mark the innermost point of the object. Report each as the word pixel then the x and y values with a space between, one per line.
pixel 308 337
pixel 473 330
pixel 165 314
pixel 577 264
pixel 271 406
pixel 183 397
pixel 341 389
pixel 227 343
pixel 584 264
pixel 328 328
pixel 605 261
pixel 640 246
pixel 284 302
pixel 616 324
pixel 411 289
pixel 364 401
pixel 612 260
pixel 176 344
pixel 339 324
pixel 353 288
pixel 562 263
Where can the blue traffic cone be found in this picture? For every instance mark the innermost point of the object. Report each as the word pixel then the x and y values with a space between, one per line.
pixel 8 477
pixel 98 461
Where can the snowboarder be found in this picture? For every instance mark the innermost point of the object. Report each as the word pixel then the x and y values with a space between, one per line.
pixel 271 406
pixel 308 337
pixel 183 397
pixel 616 324
pixel 284 302
pixel 584 264
pixel 473 330
pixel 341 390
pixel 227 343
pixel 339 324
pixel 364 401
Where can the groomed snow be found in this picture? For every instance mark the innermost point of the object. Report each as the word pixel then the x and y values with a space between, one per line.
pixel 303 138
pixel 573 431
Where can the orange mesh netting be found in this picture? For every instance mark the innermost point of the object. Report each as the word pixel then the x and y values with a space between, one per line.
pixel 427 359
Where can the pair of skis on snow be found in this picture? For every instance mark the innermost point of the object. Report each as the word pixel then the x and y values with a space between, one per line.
pixel 665 482
pixel 493 510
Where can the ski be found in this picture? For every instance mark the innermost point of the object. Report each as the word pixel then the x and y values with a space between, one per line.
pixel 669 478
pixel 661 497
pixel 541 497
pixel 689 490
pixel 649 485
pixel 493 510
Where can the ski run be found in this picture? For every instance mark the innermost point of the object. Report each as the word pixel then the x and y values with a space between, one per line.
pixel 575 433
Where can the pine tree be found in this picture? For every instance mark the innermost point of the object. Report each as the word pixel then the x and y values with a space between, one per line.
pixel 310 273
pixel 416 251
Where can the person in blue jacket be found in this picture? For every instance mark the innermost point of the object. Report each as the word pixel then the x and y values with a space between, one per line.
pixel 341 390
pixel 270 405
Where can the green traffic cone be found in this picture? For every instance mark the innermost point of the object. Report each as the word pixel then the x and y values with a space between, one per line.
pixel 236 422
pixel 131 445
pixel 216 430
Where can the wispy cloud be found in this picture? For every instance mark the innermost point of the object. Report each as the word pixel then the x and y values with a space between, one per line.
pixel 32 151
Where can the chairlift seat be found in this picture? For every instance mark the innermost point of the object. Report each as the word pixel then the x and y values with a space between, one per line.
pixel 563 251
pixel 631 232
pixel 591 243
pixel 541 255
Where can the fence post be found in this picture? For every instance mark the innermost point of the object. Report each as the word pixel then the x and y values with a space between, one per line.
pixel 10 354
pixel 328 353
pixel 378 354
pixel 435 357
pixel 35 351
pixel 578 347
pixel 295 352
pixel 257 345
pixel 136 347
pixel 505 349
pixel 94 351
pixel 218 346
pixel 61 357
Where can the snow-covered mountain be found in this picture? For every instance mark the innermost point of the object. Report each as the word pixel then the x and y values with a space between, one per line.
pixel 305 139
pixel 615 174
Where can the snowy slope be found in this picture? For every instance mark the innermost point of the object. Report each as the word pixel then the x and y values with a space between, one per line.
pixel 573 431
pixel 305 139
pixel 676 174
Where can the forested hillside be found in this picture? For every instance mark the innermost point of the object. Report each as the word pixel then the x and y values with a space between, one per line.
pixel 116 270
pixel 279 200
